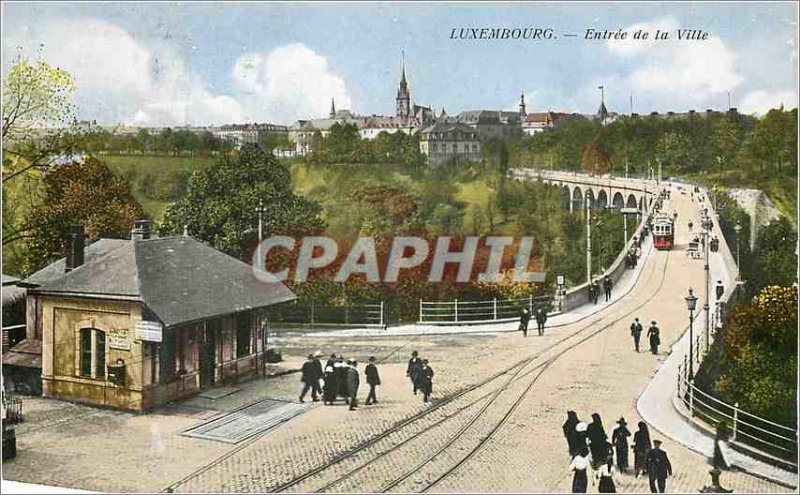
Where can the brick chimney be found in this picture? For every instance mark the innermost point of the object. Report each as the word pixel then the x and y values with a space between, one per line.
pixel 75 242
pixel 141 230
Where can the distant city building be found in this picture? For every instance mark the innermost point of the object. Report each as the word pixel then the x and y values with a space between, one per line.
pixel 445 141
pixel 490 124
pixel 241 134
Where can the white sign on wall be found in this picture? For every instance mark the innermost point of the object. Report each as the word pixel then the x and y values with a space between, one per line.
pixel 119 338
pixel 151 331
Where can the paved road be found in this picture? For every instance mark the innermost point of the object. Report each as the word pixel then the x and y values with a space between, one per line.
pixel 497 425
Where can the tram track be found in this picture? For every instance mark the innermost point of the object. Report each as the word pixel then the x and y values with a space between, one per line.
pixel 516 369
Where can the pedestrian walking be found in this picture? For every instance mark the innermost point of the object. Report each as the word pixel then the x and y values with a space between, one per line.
pixel 590 292
pixel 310 379
pixel 317 390
pixel 580 466
pixel 605 477
pixel 598 440
pixel 690 225
pixel 373 380
pixel 330 362
pixel 329 390
pixel 720 289
pixel 595 291
pixel 658 468
pixel 541 319
pixel 524 319
pixel 340 378
pixel 425 379
pixel 569 432
pixel 619 439
pixel 581 436
pixel 721 459
pixel 641 446
pixel 607 285
pixel 654 334
pixel 353 381
pixel 414 365
pixel 636 333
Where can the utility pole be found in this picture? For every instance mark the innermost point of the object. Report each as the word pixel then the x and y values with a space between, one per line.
pixel 260 262
pixel 588 240
pixel 626 167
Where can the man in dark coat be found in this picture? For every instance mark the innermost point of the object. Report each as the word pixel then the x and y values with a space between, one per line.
pixel 590 292
pixel 541 319
pixel 654 334
pixel 636 332
pixel 595 291
pixel 414 365
pixel 373 380
pixel 524 319
pixel 317 390
pixel 353 381
pixel 425 379
pixel 720 289
pixel 658 468
pixel 619 438
pixel 310 379
pixel 607 285
pixel 340 377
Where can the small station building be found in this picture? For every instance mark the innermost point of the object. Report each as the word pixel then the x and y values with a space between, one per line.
pixel 135 323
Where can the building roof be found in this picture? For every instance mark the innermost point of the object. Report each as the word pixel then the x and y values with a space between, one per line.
pixel 448 126
pixel 486 116
pixel 178 278
pixel 27 354
pixel 55 270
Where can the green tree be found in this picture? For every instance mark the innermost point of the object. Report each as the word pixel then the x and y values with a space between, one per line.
pixel 81 192
pixel 220 205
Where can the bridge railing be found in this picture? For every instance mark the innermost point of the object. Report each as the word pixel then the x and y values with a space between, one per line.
pixel 477 312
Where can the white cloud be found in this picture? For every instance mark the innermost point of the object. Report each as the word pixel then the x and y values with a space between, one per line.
pixel 761 102
pixel 677 72
pixel 120 79
pixel 288 83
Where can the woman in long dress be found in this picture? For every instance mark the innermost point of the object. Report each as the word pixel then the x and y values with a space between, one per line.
pixel 605 475
pixel 580 466
pixel 641 446
pixel 569 432
pixel 598 441
pixel 619 438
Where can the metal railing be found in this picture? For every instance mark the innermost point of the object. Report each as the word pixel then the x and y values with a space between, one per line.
pixel 762 434
pixel 311 314
pixel 474 312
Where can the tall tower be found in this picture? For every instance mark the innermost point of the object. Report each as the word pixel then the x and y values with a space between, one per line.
pixel 403 97
pixel 522 112
pixel 333 110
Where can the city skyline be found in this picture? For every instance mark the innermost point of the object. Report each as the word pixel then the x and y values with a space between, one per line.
pixel 202 64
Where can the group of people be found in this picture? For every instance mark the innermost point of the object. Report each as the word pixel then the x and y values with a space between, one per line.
pixel 594 289
pixel 589 446
pixel 653 335
pixel 338 379
pixel 525 318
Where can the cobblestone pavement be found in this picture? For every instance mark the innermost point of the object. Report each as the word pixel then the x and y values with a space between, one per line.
pixel 87 448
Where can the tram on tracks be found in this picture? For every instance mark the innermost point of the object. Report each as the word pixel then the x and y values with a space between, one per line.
pixel 663 232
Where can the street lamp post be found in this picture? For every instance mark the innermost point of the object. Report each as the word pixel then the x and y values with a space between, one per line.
pixel 738 229
pixel 691 304
pixel 706 235
pixel 588 239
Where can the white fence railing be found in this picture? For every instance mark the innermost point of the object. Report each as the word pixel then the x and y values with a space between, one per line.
pixel 763 434
pixel 474 312
pixel 310 314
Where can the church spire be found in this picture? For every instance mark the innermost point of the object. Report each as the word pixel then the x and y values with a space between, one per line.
pixel 522 111
pixel 333 109
pixel 403 96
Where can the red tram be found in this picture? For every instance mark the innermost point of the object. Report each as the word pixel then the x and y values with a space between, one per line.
pixel 663 232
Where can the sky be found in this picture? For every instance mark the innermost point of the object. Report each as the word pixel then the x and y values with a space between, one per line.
pixel 211 63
